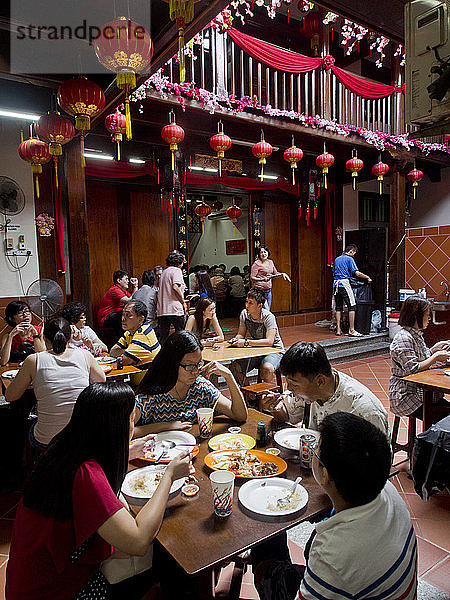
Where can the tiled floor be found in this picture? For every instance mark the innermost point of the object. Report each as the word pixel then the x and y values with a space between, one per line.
pixel 431 519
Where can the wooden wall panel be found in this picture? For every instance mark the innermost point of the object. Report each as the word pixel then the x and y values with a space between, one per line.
pixel 150 232
pixel 277 238
pixel 103 238
pixel 311 268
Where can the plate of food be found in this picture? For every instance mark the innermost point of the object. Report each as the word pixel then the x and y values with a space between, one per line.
pixel 142 483
pixel 290 438
pixel 247 464
pixel 232 441
pixel 10 374
pixel 262 497
pixel 105 360
pixel 177 437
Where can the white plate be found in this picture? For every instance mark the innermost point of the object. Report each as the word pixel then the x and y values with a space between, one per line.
pixel 447 372
pixel 105 368
pixel 10 374
pixel 179 437
pixel 290 438
pixel 258 495
pixel 149 473
pixel 105 360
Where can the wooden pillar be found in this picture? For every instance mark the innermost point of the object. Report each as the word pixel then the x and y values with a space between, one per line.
pixel 295 279
pixel 78 228
pixel 396 232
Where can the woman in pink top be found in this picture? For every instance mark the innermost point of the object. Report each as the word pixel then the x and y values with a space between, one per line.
pixel 262 273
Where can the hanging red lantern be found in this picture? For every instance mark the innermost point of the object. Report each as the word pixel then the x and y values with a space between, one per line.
pixel 172 134
pixel 202 210
pixel 234 212
pixel 262 150
pixel 218 205
pixel 37 153
pixel 56 130
pixel 116 123
pixel 380 170
pixel 181 11
pixel 324 162
pixel 237 200
pixel 127 49
pixel 354 165
pixel 293 155
pixel 415 176
pixel 219 143
pixel 82 99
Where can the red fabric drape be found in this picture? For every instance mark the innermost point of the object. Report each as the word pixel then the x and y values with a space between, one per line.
pixel 241 183
pixel 292 62
pixel 271 55
pixel 117 170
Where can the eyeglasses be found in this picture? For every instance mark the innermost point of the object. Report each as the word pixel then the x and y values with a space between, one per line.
pixel 24 311
pixel 191 368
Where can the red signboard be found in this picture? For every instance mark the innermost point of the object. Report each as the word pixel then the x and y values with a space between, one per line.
pixel 236 246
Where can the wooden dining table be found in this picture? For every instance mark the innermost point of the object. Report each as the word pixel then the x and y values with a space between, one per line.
pixel 198 540
pixel 431 380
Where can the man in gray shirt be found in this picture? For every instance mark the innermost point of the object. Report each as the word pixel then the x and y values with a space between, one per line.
pixel 257 327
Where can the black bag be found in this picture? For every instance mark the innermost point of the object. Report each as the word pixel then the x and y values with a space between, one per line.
pixel 431 459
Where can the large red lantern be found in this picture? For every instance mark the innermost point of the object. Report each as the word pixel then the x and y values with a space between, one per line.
pixel 126 48
pixel 262 150
pixel 324 162
pixel 293 155
pixel 172 134
pixel 233 213
pixel 415 176
pixel 219 143
pixel 202 210
pixel 354 165
pixel 37 153
pixel 380 170
pixel 116 123
pixel 82 99
pixel 56 130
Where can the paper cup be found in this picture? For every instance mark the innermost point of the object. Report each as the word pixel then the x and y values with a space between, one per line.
pixel 205 421
pixel 222 483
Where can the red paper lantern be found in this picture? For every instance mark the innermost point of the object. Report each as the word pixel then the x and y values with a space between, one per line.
pixel 324 162
pixel 37 153
pixel 82 99
pixel 415 176
pixel 354 165
pixel 380 170
pixel 202 210
pixel 234 212
pixel 56 130
pixel 116 123
pixel 126 48
pixel 172 134
pixel 219 143
pixel 293 155
pixel 262 150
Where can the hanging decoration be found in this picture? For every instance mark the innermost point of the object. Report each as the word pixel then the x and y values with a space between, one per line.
pixel 293 155
pixel 415 176
pixel 202 210
pixel 56 130
pixel 354 165
pixel 219 143
pixel 37 153
pixel 233 213
pixel 237 200
pixel 45 224
pixel 182 12
pixel 82 99
pixel 380 170
pixel 262 150
pixel 324 162
pixel 218 205
pixel 172 134
pixel 127 52
pixel 116 123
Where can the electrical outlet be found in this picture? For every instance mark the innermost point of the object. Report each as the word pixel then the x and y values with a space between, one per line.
pixel 9 244
pixel 21 244
pixel 15 252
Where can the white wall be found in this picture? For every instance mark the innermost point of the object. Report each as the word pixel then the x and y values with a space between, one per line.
pixel 211 249
pixel 11 165
pixel 432 205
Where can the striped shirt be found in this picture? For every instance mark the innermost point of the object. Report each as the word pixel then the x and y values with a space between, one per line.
pixel 368 551
pixel 141 346
pixel 164 407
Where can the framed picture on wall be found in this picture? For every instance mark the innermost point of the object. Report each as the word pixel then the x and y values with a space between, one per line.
pixel 236 246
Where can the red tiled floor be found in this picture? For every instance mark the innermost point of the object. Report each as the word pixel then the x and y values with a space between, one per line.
pixel 429 555
pixel 436 531
pixel 2 580
pixel 439 575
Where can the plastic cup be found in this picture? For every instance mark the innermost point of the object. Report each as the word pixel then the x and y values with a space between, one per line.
pixel 222 483
pixel 205 421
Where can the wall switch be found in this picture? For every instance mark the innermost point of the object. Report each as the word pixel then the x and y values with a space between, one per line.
pixel 9 244
pixel 21 244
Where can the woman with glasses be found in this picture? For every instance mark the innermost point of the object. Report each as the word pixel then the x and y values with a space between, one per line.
pixel 24 338
pixel 176 384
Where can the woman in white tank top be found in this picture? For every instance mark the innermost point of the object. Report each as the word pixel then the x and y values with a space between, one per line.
pixel 57 375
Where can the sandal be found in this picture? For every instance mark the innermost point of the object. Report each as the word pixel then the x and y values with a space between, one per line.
pixel 355 334
pixel 338 334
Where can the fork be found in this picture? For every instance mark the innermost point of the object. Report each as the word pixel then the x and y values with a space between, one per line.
pixel 282 502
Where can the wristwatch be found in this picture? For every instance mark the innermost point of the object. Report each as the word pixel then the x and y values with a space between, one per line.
pixel 246 344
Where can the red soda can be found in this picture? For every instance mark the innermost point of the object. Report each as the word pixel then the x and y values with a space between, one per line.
pixel 307 441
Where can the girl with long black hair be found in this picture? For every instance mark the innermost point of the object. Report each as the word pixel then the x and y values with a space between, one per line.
pixel 202 320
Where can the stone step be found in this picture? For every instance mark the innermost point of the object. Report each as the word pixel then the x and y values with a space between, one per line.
pixel 345 348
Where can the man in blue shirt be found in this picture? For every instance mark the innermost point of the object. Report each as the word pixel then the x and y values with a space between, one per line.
pixel 345 267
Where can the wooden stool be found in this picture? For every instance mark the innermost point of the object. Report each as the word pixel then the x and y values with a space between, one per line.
pixel 409 445
pixel 253 393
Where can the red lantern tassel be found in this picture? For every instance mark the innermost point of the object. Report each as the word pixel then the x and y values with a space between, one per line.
pixel 118 150
pixel 36 183
pixel 55 165
pixel 307 215
pixel 128 115
pixel 83 161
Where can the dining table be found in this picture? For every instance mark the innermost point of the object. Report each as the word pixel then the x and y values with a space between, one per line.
pixel 199 541
pixel 430 381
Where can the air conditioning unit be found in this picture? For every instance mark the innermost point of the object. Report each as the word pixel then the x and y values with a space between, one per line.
pixel 427 98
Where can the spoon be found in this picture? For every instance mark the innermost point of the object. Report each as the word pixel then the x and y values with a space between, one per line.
pixel 168 445
pixel 284 502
